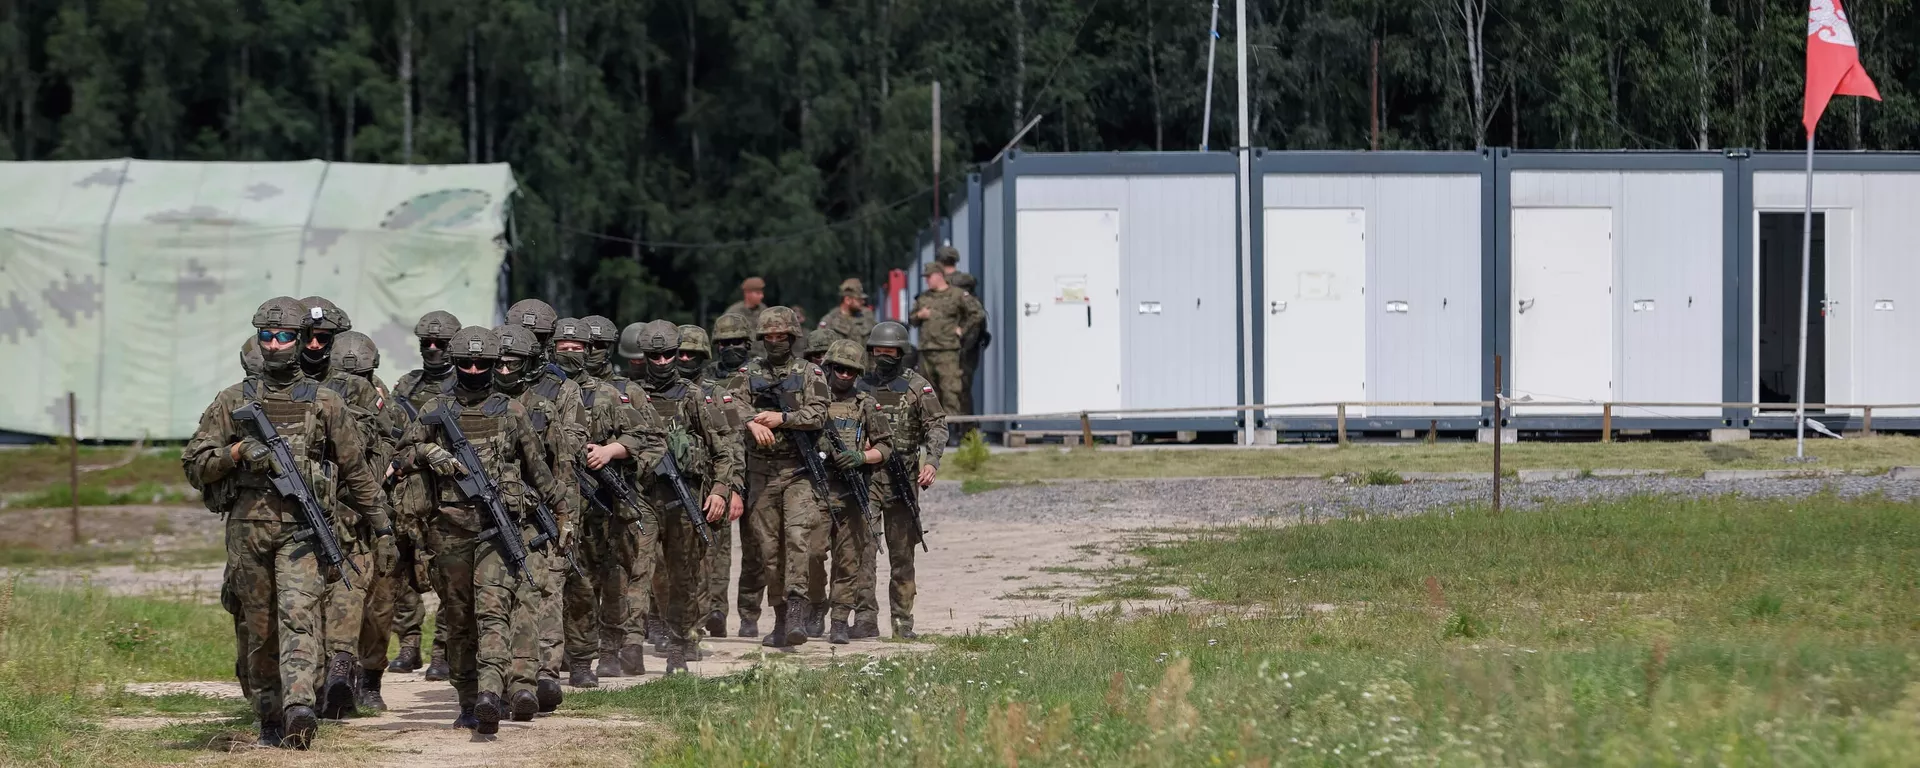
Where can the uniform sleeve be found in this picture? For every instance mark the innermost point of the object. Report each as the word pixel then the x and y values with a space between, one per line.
pixel 913 315
pixel 533 465
pixel 809 412
pixel 207 458
pixel 407 454
pixel 722 448
pixel 360 488
pixel 879 433
pixel 571 433
pixel 971 312
pixel 933 422
pixel 643 433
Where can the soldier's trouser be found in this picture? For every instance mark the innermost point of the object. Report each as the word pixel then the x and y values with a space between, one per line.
pixel 377 618
pixel 530 615
pixel 241 641
pixel 714 568
pixel 752 590
pixel 409 611
pixel 346 606
pixel 853 568
pixel 478 601
pixel 584 627
pixel 679 574
pixel 551 616
pixel 901 544
pixel 278 584
pixel 943 367
pixel 639 553
pixel 791 525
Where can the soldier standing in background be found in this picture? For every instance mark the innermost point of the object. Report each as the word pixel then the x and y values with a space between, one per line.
pixel 479 593
pixel 865 440
pixel 947 260
pixel 753 297
pixel 700 444
pixel 919 427
pixel 634 537
pixel 818 341
pixel 354 354
pixel 732 345
pixel 852 320
pixel 974 337
pixel 943 314
pixel 278 578
pixel 789 396
pixel 410 499
pixel 694 366
pixel 346 603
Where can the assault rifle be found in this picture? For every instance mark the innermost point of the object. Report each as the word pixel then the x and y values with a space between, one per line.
pixel 856 480
pixel 549 528
pixel 288 483
pixel 608 478
pixel 904 482
pixel 481 489
pixel 766 397
pixel 670 470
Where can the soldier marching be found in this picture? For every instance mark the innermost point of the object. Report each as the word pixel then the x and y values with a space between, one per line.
pixel 569 491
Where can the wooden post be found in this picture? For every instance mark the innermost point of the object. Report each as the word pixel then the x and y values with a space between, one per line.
pixel 1498 431
pixel 1866 421
pixel 1086 430
pixel 73 469
pixel 1433 431
pixel 1340 422
pixel 1606 423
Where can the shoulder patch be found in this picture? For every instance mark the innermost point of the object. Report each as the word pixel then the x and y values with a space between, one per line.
pixel 726 398
pixel 379 403
pixel 624 398
pixel 926 390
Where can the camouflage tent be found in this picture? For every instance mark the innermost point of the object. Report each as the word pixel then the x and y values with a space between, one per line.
pixel 131 282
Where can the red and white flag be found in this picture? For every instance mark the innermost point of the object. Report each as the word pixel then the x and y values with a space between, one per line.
pixel 1833 61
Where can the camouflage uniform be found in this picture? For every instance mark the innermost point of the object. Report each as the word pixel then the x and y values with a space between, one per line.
pixel 276 575
pixel 976 337
pixel 410 497
pixel 730 386
pixel 557 415
pixel 216 500
pixel 695 351
pixel 951 310
pixel 629 539
pixel 785 504
pixel 481 597
pixel 354 356
pixel 853 327
pixel 701 444
pixel 919 428
pixel 856 419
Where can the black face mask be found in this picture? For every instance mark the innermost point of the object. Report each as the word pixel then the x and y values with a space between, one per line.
pixel 574 363
pixel 597 363
pixel 692 368
pixel 433 359
pixel 475 382
pixel 734 357
pixel 514 381
pixel 887 368
pixel 661 375
pixel 279 365
pixel 314 363
pixel 839 385
pixel 779 352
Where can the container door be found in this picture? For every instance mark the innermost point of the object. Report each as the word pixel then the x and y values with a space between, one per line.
pixel 1563 308
pixel 1316 315
pixel 1068 333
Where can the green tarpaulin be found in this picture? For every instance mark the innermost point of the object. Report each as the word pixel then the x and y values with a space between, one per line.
pixel 131 283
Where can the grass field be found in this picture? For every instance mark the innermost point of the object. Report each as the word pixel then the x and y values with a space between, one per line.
pixel 1871 454
pixel 1636 633
pixel 40 468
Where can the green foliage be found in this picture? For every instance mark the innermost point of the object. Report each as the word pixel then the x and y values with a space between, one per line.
pixel 1381 477
pixel 61 495
pixel 973 453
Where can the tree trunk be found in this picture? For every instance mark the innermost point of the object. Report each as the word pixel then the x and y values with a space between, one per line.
pixel 1473 15
pixel 1019 66
pixel 473 112
pixel 693 52
pixel 1153 78
pixel 885 43
pixel 406 83
pixel 1702 77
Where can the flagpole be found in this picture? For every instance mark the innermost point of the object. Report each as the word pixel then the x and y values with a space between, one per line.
pixel 1806 284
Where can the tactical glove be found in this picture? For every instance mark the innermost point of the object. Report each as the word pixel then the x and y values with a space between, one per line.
pixel 255 455
pixel 848 459
pixel 386 555
pixel 442 463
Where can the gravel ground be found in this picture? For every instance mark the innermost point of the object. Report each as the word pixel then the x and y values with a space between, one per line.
pixel 1216 501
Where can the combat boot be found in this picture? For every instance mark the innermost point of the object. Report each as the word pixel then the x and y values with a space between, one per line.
pixel 547 690
pixel 633 660
pixel 657 634
pixel 437 670
pixel 525 705
pixel 778 637
pixel 301 723
pixel 677 657
pixel 466 719
pixel 716 624
pixel 864 629
pixel 407 660
pixel 610 666
pixel 817 621
pixel 580 675
pixel 903 629
pixel 487 711
pixel 336 699
pixel 839 636
pixel 271 734
pixel 370 690
pixel 798 614
pixel 748 628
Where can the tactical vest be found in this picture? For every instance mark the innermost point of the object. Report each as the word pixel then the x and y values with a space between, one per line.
pixel 772 395
pixel 684 438
pixel 485 428
pixel 295 413
pixel 896 399
pixel 845 419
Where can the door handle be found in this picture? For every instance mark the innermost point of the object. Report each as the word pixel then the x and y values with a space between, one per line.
pixel 1276 307
pixel 1525 304
pixel 1089 315
pixel 1029 309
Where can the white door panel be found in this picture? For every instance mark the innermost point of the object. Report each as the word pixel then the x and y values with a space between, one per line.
pixel 1069 325
pixel 1315 314
pixel 1562 307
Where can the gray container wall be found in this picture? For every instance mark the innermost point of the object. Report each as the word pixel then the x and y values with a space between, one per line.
pixel 1424 235
pixel 993 296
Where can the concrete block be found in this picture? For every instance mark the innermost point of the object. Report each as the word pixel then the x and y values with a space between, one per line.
pixel 1508 436
pixel 1632 472
pixel 1730 435
pixel 1409 434
pixel 1548 475
pixel 1186 436
pixel 1904 473
pixel 1266 437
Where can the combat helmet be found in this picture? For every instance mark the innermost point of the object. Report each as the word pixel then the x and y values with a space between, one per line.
pixel 846 353
pixel 639 339
pixel 517 340
pixel 778 320
pixel 852 287
pixel 888 334
pixel 436 326
pixel 819 340
pixel 693 338
pixel 281 312
pixel 600 330
pixel 354 352
pixel 538 316
pixel 331 317
pixel 731 327
pixel 474 343
pixel 571 329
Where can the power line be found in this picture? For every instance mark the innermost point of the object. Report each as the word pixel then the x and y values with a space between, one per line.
pixel 1073 46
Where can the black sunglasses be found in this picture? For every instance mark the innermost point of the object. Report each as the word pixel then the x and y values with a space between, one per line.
pixel 843 370
pixel 324 337
pixel 284 337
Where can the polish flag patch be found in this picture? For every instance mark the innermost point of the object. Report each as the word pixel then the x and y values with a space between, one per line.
pixel 926 390
pixel 624 398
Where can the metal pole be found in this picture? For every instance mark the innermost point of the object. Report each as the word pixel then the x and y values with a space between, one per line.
pixel 1499 411
pixel 1246 221
pixel 73 469
pixel 1806 269
pixel 936 165
pixel 1213 41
